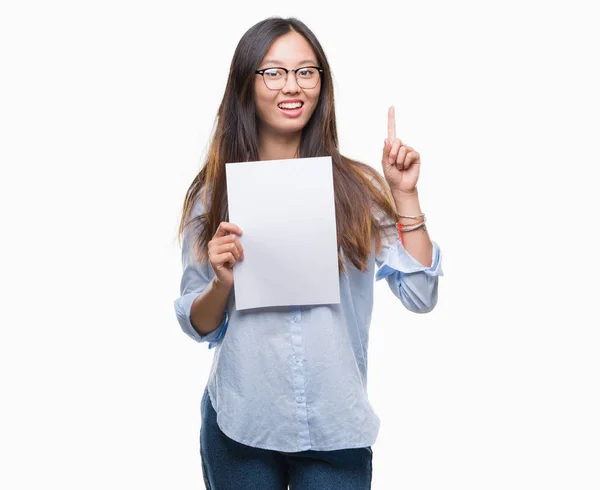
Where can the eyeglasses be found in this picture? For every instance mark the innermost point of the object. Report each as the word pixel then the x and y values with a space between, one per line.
pixel 275 78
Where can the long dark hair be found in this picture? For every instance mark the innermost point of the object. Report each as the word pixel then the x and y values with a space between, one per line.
pixel 357 186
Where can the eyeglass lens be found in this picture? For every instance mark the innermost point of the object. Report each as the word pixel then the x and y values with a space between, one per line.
pixel 275 78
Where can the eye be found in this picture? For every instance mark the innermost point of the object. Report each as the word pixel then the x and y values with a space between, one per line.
pixel 273 73
pixel 306 72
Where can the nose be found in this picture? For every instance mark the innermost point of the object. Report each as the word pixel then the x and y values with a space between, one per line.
pixel 291 84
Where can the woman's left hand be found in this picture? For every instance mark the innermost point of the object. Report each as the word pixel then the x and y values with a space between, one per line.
pixel 401 163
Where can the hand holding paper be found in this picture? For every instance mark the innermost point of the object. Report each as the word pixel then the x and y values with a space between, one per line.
pixel 224 250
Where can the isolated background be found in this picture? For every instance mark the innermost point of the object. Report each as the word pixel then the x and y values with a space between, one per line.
pixel 106 109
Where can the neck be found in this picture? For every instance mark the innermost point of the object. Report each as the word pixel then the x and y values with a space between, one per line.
pixel 279 146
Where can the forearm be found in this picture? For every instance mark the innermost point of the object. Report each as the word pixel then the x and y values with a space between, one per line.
pixel 207 309
pixel 416 242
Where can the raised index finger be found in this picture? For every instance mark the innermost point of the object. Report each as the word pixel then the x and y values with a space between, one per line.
pixel 391 125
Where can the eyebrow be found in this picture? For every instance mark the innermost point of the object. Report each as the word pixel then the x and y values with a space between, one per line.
pixel 300 62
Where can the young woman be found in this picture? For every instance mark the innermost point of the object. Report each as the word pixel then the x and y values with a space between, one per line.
pixel 286 400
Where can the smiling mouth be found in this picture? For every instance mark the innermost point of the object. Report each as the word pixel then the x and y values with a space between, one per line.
pixel 291 107
pixel 291 112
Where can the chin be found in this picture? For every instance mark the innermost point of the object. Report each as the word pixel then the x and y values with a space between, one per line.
pixel 290 126
pixel 291 129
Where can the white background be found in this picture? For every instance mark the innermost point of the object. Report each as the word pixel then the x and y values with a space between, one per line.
pixel 106 109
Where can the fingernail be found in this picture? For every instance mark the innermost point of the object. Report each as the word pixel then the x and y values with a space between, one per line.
pixel 392 160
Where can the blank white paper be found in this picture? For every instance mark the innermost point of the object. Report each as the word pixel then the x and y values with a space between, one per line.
pixel 286 210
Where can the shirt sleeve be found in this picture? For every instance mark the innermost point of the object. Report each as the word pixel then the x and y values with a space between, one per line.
pixel 414 284
pixel 194 280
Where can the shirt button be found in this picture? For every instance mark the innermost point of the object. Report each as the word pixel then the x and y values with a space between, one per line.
pixel 297 359
pixel 299 399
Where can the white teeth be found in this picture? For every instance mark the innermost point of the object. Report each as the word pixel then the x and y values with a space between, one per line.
pixel 294 105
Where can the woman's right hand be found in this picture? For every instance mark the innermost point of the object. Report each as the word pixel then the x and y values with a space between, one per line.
pixel 224 250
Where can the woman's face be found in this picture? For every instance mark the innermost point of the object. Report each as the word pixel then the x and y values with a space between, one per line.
pixel 288 51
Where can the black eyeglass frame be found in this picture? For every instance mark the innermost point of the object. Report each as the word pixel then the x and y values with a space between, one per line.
pixel 262 73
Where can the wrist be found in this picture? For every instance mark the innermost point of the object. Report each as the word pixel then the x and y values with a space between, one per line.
pixel 407 203
pixel 221 286
pixel 404 194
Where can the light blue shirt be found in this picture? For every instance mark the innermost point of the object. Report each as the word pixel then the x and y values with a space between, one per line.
pixel 293 378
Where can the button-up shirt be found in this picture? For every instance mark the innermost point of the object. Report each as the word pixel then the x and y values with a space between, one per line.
pixel 294 378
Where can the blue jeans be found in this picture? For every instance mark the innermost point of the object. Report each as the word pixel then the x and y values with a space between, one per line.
pixel 230 465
